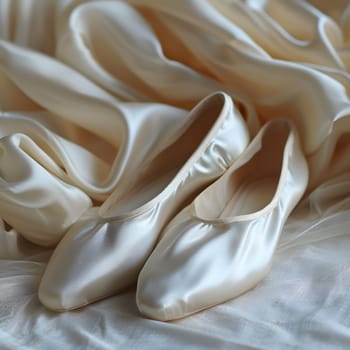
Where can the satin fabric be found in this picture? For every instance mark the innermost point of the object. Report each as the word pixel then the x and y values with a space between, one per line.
pixel 121 234
pixel 212 255
pixel 90 91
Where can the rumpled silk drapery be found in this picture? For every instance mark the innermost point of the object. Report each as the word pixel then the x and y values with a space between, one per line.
pixel 91 90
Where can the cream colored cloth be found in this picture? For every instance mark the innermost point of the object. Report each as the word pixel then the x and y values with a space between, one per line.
pixel 91 90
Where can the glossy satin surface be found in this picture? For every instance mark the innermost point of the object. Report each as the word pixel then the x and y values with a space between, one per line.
pixel 202 261
pixel 106 251
pixel 91 94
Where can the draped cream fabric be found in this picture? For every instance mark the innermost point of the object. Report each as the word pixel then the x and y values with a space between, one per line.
pixel 93 91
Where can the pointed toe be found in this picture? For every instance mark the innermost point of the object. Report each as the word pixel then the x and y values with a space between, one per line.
pixel 53 298
pixel 158 303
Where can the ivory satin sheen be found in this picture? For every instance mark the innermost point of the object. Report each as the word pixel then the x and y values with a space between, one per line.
pixel 211 255
pixel 167 146
pixel 122 233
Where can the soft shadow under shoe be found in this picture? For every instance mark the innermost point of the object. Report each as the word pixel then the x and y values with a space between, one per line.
pixel 104 251
pixel 222 244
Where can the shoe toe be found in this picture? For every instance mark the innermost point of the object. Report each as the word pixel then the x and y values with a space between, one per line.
pixel 158 300
pixel 70 277
pixel 167 284
pixel 55 298
pixel 96 259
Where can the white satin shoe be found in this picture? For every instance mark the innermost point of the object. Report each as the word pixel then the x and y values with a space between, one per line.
pixel 104 251
pixel 222 244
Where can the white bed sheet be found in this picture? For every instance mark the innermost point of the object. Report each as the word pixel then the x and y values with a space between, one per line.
pixel 302 304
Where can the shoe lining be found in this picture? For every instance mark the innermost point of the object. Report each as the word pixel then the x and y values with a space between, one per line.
pixel 152 180
pixel 251 187
pixel 250 197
